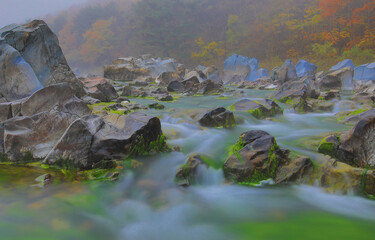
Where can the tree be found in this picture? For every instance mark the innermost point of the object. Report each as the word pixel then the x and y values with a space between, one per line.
pixel 209 53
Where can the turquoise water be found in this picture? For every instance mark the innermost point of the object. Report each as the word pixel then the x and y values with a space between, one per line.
pixel 146 203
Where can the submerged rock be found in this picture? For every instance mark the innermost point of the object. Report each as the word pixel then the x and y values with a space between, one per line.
pixel 258 108
pixel 219 117
pixel 188 174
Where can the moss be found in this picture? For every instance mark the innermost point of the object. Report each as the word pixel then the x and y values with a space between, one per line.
pixel 232 108
pixel 327 148
pixel 101 104
pixel 236 148
pixel 353 113
pixel 211 162
pixel 363 179
pixel 3 158
pixel 257 113
pixel 222 98
pixel 142 148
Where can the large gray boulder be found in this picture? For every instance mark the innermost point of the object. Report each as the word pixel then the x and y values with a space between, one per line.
pixel 99 88
pixel 39 47
pixel 218 117
pixel 341 79
pixel 260 109
pixel 287 72
pixel 17 78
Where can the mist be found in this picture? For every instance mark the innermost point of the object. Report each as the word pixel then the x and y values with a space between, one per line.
pixel 18 11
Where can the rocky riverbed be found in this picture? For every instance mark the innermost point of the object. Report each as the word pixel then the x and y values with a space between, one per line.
pixel 201 155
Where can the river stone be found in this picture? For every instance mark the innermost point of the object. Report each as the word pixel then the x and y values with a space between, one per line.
pixel 256 157
pixel 212 73
pixel 73 149
pixel 294 171
pixel 352 119
pixel 287 72
pixel 28 138
pixel 5 111
pixel 299 89
pixel 167 77
pixel 189 173
pixel 39 47
pixel 209 87
pixel 17 79
pixel 262 108
pixel 219 117
pixel 357 145
pixel 121 135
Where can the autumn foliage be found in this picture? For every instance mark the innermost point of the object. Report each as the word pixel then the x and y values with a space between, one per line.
pixel 208 31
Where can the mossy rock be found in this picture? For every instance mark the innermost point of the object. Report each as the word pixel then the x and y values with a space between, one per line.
pixel 329 146
pixel 260 109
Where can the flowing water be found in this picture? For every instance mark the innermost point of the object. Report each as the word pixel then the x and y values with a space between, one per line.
pixel 147 204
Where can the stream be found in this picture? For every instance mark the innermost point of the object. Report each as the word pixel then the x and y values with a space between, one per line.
pixel 146 204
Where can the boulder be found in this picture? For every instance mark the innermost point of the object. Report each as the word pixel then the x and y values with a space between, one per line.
pixel 165 98
pixel 304 69
pixel 256 157
pixel 294 171
pixel 212 73
pixel 219 117
pixel 356 146
pixel 39 47
pixel 18 79
pixel 166 77
pixel 287 72
pixel 195 74
pixel 209 87
pixel 364 98
pixel 350 117
pixel 343 64
pixel 365 72
pixel 30 138
pixel 262 73
pixel 260 109
pixel 99 88
pixel 341 79
pixel 189 173
pixel 72 150
pixel 254 65
pixel 133 134
pixel 175 86
pixel 239 68
pixel 5 111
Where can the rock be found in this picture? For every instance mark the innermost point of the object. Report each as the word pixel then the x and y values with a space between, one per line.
pixel 294 171
pixel 286 73
pixel 262 73
pixel 188 174
pixel 209 87
pixel 166 77
pixel 156 106
pixel 5 111
pixel 99 88
pixel 365 99
pixel 32 138
pixel 354 117
pixel 195 74
pixel 331 94
pixel 314 105
pixel 39 47
pixel 340 80
pixel 298 90
pixel 219 117
pixel 259 108
pixel 75 106
pixel 304 69
pixel 239 68
pixel 73 149
pixel 256 157
pixel 48 98
pixel 133 134
pixel 175 86
pixel 343 64
pixel 212 73
pixel 89 100
pixel 128 69
pixel 165 98
pixel 365 72
pixel 329 146
pixel 356 146
pixel 18 79
pixel 129 91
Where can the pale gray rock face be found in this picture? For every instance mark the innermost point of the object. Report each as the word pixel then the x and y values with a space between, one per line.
pixel 17 78
pixel 39 47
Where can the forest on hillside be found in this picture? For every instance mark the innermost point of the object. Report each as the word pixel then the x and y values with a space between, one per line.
pixel 208 31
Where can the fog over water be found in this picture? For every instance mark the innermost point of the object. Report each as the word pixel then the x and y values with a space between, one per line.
pixel 18 11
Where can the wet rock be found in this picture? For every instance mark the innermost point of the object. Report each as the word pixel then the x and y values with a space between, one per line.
pixel 39 47
pixel 304 69
pixel 73 149
pixel 297 90
pixel 352 117
pixel 99 88
pixel 167 77
pixel 356 146
pixel 175 86
pixel 219 117
pixel 129 91
pixel 258 108
pixel 365 99
pixel 256 157
pixel 287 72
pixel 132 134
pixel 314 105
pixel 332 94
pixel 30 138
pixel 18 79
pixel 209 87
pixel 294 171
pixel 329 146
pixel 340 80
pixel 196 74
pixel 188 174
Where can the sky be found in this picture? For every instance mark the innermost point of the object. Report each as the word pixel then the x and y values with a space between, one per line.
pixel 18 11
